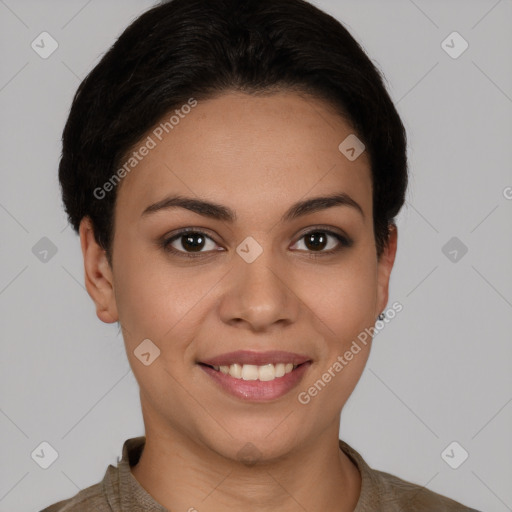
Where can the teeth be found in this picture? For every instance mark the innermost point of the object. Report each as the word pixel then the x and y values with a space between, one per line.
pixel 252 372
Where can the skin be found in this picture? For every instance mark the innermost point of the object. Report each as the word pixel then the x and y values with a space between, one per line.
pixel 256 155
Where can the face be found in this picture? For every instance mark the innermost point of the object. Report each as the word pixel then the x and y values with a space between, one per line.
pixel 272 278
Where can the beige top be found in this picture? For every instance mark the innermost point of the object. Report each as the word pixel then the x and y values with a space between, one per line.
pixel 120 491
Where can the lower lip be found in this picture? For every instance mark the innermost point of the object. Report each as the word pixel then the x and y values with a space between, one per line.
pixel 256 390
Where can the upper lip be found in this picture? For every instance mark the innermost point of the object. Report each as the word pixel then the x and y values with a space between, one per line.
pixel 256 358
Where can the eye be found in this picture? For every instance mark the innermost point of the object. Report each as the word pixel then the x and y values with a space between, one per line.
pixel 317 240
pixel 190 243
pixel 189 240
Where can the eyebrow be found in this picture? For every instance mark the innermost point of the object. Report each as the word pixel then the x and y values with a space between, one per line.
pixel 223 213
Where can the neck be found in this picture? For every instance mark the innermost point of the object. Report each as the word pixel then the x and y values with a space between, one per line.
pixel 182 474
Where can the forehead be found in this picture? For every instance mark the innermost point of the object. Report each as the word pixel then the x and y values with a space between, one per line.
pixel 245 151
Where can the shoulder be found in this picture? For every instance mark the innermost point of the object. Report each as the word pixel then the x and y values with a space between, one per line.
pixel 108 494
pixel 92 498
pixel 414 498
pixel 384 492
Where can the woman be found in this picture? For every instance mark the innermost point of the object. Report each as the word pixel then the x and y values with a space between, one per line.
pixel 234 169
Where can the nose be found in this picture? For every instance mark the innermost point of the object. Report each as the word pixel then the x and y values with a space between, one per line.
pixel 260 294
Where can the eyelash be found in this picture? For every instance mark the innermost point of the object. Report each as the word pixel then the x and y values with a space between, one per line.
pixel 166 243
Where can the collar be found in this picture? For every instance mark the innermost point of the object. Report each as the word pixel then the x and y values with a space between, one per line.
pixel 126 494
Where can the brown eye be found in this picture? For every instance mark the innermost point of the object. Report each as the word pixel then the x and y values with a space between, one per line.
pixel 189 243
pixel 318 241
pixel 192 243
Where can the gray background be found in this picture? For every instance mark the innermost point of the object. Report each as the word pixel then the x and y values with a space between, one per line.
pixel 439 372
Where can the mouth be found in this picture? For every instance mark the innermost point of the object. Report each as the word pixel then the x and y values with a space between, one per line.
pixel 251 372
pixel 263 383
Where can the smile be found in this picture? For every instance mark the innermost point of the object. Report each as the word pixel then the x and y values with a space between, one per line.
pixel 256 383
pixel 264 373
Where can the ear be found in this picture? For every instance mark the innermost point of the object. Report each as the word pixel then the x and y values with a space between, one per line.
pixel 384 267
pixel 98 274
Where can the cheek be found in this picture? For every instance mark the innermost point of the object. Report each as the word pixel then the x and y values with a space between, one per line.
pixel 344 301
pixel 343 296
pixel 158 300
